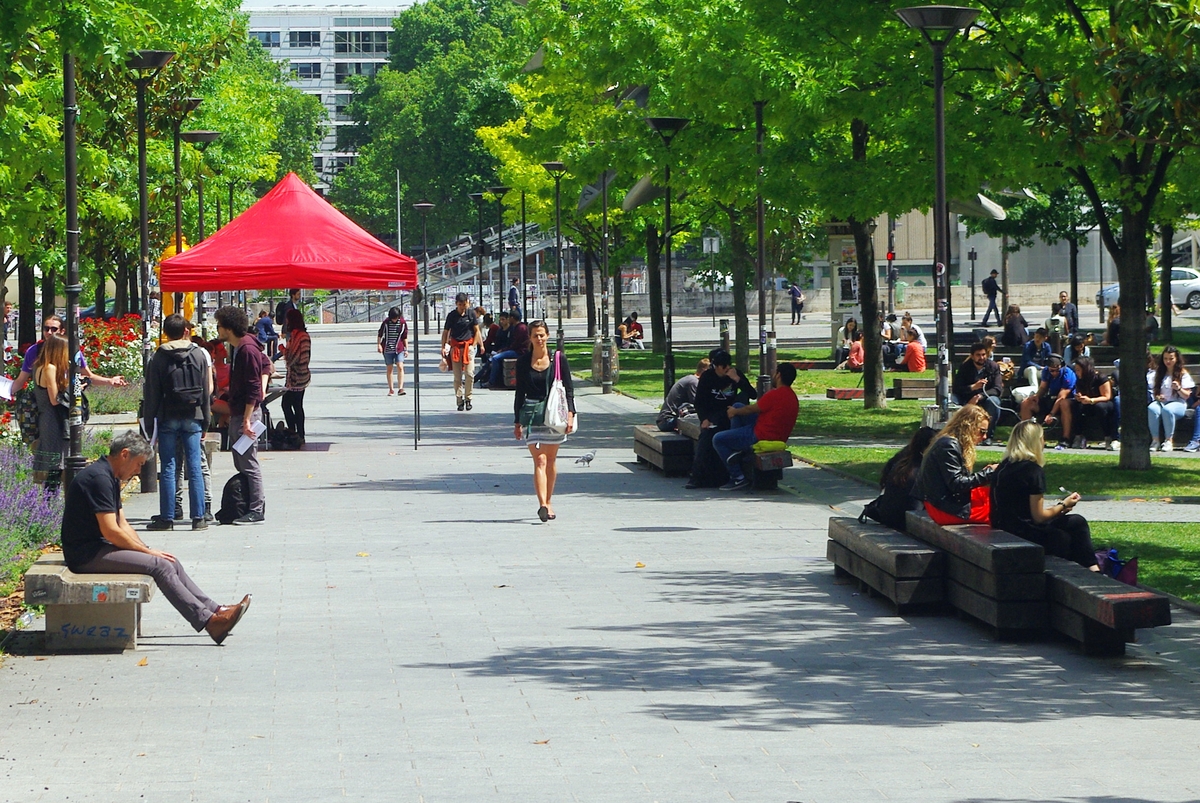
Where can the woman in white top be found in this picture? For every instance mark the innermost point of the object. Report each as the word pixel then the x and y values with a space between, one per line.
pixel 1170 385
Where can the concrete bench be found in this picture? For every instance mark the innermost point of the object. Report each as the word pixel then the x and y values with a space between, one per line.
pixel 1096 611
pixel 93 612
pixel 764 470
pixel 906 571
pixel 669 452
pixel 991 575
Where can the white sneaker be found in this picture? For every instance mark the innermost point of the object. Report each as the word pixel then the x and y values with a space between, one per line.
pixel 1155 445
pixel 1115 446
pixel 1167 447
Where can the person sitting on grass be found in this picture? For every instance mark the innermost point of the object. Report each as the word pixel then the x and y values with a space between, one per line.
pixel 913 359
pixel 854 358
pixel 771 418
pixel 1055 389
pixel 898 483
pixel 952 490
pixel 1018 490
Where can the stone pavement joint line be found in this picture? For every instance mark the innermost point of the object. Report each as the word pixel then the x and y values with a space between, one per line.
pixel 417 634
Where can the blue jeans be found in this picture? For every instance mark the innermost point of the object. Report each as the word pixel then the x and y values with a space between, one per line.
pixel 1168 413
pixel 738 438
pixel 171 432
pixel 496 367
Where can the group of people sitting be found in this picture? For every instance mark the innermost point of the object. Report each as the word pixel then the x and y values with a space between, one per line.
pixel 904 345
pixel 937 472
pixel 507 338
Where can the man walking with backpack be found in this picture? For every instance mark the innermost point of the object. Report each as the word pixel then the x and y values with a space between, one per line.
pixel 248 372
pixel 177 398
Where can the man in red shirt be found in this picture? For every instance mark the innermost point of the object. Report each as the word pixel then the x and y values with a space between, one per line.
pixel 771 418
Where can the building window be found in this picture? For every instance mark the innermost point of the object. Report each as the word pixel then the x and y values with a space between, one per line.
pixel 360 42
pixel 306 70
pixel 339 163
pixel 268 39
pixel 340 111
pixel 304 38
pixel 318 164
pixel 343 70
pixel 362 22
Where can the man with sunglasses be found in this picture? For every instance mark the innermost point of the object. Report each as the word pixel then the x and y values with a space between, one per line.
pixel 53 325
pixel 1057 383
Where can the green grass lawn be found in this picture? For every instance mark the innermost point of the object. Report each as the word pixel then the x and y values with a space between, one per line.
pixel 1168 554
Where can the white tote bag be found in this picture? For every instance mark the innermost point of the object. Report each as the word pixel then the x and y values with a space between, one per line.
pixel 557 411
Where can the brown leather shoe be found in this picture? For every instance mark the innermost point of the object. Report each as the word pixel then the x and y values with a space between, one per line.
pixel 221 623
pixel 242 607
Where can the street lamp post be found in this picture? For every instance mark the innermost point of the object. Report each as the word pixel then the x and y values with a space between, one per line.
pixel 424 207
pixel 147 64
pixel 712 247
pixel 940 24
pixel 200 139
pixel 480 248
pixel 972 255
pixel 667 128
pixel 558 170
pixel 606 380
pixel 524 257
pixel 75 461
pixel 500 192
pixel 182 109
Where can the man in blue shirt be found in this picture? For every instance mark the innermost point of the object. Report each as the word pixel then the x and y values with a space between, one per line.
pixel 1057 385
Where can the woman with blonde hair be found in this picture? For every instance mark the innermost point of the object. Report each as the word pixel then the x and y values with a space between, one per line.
pixel 1018 491
pixel 953 492
pixel 51 373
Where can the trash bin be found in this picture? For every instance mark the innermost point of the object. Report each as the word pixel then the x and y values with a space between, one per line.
pixel 900 288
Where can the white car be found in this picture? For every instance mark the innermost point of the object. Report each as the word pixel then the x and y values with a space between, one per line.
pixel 1185 289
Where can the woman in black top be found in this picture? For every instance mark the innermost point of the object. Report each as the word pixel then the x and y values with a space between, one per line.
pixel 1016 328
pixel 535 374
pixel 898 483
pixel 1093 399
pixel 1018 488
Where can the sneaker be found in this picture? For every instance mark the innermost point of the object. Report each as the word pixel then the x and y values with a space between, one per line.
pixel 1062 446
pixel 734 485
pixel 159 524
pixel 461 404
pixel 468 404
pixel 1155 444
pixel 1114 446
pixel 1168 446
pixel 1193 446
pixel 199 524
pixel 209 517
pixel 250 518
pixel 179 513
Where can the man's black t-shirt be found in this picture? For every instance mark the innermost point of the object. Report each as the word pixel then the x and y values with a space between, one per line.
pixel 94 490
pixel 461 325
pixel 1012 485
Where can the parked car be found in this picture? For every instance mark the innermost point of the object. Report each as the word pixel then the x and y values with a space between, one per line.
pixel 110 309
pixel 1185 289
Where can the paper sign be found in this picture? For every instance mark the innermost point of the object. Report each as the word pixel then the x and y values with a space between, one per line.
pixel 133 593
pixel 245 442
pixel 6 388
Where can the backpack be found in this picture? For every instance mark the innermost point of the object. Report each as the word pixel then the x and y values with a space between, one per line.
pixel 183 383
pixel 235 499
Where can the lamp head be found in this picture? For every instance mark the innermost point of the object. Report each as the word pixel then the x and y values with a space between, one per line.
pixel 667 127
pixel 201 139
pixel 555 169
pixel 424 207
pixel 477 197
pixel 934 19
pixel 499 192
pixel 144 61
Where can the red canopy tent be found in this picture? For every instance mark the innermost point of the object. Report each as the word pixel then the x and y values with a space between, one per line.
pixel 291 237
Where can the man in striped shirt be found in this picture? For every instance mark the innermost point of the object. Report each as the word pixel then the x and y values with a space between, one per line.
pixel 393 344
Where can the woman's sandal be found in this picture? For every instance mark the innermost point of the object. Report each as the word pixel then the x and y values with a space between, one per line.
pixel 402 393
pixel 544 513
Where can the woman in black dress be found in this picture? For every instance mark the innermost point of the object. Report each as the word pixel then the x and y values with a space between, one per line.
pixel 535 374
pixel 1018 489
pixel 51 373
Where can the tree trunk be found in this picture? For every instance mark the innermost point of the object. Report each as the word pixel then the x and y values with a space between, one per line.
pixel 742 267
pixel 1004 274
pixel 121 297
pixel 48 275
pixel 658 328
pixel 27 300
pixel 874 395
pixel 101 279
pixel 589 280
pixel 1168 238
pixel 1073 242
pixel 1131 273
pixel 135 289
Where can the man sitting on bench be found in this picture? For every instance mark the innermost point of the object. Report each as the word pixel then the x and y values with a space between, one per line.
pixel 771 418
pixel 98 539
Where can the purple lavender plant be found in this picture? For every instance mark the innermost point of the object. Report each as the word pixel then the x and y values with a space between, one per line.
pixel 29 518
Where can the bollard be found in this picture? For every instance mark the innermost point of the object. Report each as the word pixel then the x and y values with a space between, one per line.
pixel 725 334
pixel 771 357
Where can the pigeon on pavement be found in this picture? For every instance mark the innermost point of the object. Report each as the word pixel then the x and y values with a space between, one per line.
pixel 586 459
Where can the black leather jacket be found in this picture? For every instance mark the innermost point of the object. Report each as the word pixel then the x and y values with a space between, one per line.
pixel 944 481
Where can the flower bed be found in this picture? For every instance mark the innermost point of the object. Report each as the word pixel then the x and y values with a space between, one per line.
pixel 29 519
pixel 113 348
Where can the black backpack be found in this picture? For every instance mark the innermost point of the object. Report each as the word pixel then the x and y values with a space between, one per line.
pixel 235 499
pixel 183 383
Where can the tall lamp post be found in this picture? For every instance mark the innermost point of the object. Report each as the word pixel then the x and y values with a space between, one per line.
pixel 201 140
pixel 712 247
pixel 972 255
pixel 557 170
pixel 147 64
pixel 940 24
pixel 424 207
pixel 606 380
pixel 480 248
pixel 182 109
pixel 667 128
pixel 75 461
pixel 500 192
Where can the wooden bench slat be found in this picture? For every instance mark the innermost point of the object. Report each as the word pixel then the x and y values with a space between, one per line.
pixel 1028 587
pixel 1103 599
pixel 899 591
pixel 665 443
pixel 993 550
pixel 1000 615
pixel 1094 638
pixel 896 553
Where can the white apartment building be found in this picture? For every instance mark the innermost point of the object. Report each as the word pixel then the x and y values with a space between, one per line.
pixel 323 45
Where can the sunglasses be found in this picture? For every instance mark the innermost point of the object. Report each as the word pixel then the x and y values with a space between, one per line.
pixel 51 329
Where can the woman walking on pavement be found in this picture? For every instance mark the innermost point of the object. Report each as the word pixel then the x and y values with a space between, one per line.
pixel 535 372
pixel 296 355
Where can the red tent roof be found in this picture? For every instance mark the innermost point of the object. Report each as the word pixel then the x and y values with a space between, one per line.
pixel 291 237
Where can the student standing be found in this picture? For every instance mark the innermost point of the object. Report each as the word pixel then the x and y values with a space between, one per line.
pixel 296 355
pixel 535 373
pixel 460 339
pixel 248 373
pixel 392 343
